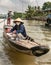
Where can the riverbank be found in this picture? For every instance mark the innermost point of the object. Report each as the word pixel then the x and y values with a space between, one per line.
pixel 41 18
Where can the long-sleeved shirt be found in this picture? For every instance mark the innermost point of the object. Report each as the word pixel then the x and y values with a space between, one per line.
pixel 19 29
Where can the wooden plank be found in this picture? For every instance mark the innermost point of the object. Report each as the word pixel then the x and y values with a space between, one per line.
pixel 26 43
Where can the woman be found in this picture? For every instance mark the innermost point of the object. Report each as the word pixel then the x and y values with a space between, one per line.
pixel 19 27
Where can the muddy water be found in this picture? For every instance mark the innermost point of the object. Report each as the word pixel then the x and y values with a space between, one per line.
pixel 40 33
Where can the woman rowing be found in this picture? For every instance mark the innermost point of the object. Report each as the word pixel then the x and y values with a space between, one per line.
pixel 19 27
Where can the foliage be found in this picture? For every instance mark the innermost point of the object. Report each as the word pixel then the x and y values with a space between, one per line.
pixel 30 12
pixel 46 5
pixel 16 15
pixel 38 13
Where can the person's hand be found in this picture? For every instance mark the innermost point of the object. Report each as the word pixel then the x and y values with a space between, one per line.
pixel 14 31
pixel 14 35
pixel 20 35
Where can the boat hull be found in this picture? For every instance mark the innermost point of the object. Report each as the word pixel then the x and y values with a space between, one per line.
pixel 30 48
pixel 18 47
pixel 32 51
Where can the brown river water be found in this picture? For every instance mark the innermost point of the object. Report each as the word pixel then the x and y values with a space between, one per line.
pixel 40 33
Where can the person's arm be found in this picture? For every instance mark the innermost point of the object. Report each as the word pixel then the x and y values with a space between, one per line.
pixel 13 29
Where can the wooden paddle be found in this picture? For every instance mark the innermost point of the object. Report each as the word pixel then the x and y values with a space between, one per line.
pixel 29 38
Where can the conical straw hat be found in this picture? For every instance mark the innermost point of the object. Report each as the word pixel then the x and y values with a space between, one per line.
pixel 17 20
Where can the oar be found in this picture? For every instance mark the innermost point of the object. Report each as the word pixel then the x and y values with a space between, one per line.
pixel 29 38
pixel 37 43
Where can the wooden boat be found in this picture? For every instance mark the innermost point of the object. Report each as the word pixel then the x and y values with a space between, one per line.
pixel 27 46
